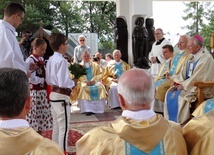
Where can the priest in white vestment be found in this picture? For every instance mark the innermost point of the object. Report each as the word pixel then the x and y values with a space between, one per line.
pixel 155 56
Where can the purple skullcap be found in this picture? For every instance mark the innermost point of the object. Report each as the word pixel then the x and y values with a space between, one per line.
pixel 199 38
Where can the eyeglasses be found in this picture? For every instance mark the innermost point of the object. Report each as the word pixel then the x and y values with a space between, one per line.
pixel 22 18
pixel 82 40
pixel 157 33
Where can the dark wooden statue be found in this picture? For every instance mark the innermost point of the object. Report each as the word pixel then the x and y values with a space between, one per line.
pixel 121 37
pixel 151 31
pixel 140 42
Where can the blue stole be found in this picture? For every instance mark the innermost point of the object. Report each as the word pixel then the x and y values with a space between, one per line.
pixel 118 70
pixel 132 150
pixel 209 105
pixel 89 73
pixel 157 83
pixel 172 104
pixel 175 63
pixel 94 92
pixel 188 68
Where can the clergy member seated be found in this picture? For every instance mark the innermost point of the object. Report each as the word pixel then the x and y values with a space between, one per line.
pixel 204 107
pixel 181 96
pixel 167 51
pixel 92 94
pixel 199 134
pixel 162 81
pixel 112 72
pixel 139 130
pixel 16 136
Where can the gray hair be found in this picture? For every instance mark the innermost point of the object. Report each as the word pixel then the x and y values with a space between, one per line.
pixel 197 42
pixel 81 36
pixel 117 51
pixel 14 91
pixel 137 87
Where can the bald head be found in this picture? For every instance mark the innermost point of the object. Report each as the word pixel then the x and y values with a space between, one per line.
pixel 136 86
pixel 183 41
pixel 86 57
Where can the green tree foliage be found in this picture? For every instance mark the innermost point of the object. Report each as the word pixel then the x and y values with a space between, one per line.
pixel 194 13
pixel 208 29
pixel 69 17
pixel 99 18
pixel 3 4
pixel 35 11
pixel 201 17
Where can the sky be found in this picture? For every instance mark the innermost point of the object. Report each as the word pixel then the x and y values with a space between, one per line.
pixel 168 16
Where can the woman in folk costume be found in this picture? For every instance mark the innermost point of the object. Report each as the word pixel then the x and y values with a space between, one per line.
pixel 39 116
pixel 92 93
pixel 114 69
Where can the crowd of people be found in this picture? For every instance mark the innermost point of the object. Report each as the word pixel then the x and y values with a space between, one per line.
pixel 157 104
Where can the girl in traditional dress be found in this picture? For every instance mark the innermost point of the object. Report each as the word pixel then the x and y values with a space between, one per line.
pixel 39 116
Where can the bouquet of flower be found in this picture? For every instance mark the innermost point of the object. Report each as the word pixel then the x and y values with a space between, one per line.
pixel 77 70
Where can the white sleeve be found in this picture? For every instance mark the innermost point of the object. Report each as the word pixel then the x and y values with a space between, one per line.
pixel 12 55
pixel 33 78
pixel 64 76
pixel 75 55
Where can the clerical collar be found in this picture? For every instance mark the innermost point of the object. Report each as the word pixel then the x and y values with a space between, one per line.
pixel 117 62
pixel 13 123
pixel 159 41
pixel 138 115
pixel 181 51
pixel 87 64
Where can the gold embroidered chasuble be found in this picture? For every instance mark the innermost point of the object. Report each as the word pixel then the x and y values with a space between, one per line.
pixel 199 134
pixel 204 107
pixel 174 66
pixel 203 71
pixel 84 90
pixel 110 73
pixel 144 134
pixel 26 141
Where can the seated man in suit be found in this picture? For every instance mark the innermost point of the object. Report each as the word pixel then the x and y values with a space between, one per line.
pixel 92 94
pixel 111 75
pixel 199 67
pixel 16 136
pixel 139 130
pixel 171 68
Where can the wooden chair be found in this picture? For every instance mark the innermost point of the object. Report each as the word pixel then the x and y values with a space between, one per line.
pixel 201 85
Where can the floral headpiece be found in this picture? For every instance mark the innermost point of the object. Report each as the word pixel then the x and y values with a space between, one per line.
pixel 199 38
